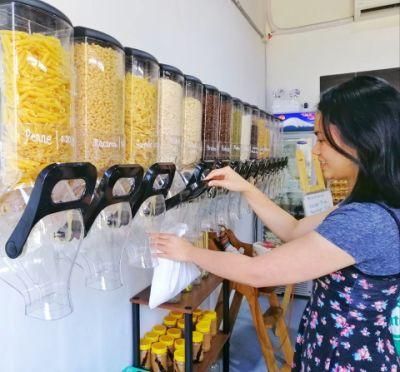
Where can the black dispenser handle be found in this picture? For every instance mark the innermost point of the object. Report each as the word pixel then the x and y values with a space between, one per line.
pixel 104 195
pixel 147 189
pixel 41 204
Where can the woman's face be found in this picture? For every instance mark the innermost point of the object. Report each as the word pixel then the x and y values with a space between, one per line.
pixel 333 164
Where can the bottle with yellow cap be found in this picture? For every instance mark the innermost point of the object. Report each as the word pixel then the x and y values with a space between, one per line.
pixel 152 336
pixel 158 357
pixel 179 343
pixel 212 317
pixel 204 326
pixel 160 329
pixel 174 333
pixel 145 353
pixel 176 314
pixel 170 322
pixel 181 324
pixel 198 351
pixel 168 341
pixel 179 360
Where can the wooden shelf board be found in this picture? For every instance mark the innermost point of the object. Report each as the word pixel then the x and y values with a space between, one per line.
pixel 210 357
pixel 189 302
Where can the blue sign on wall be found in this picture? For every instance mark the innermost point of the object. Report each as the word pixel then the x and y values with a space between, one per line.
pixel 297 121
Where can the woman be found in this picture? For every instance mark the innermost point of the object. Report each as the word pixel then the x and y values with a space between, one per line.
pixel 352 251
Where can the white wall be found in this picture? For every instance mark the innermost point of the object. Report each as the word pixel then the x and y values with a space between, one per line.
pixel 207 38
pixel 298 60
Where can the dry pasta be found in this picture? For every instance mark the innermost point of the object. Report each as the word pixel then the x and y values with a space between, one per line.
pixel 140 120
pixel 36 106
pixel 99 104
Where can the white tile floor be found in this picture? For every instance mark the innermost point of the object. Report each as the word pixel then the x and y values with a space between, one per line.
pixel 245 352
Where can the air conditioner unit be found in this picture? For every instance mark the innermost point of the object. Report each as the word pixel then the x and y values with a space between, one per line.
pixel 375 8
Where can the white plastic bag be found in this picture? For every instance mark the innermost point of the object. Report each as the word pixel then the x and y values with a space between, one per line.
pixel 171 277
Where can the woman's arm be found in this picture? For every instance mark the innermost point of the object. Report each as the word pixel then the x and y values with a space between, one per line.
pixel 308 257
pixel 281 223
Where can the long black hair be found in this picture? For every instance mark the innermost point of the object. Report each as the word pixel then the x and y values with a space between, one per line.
pixel 366 111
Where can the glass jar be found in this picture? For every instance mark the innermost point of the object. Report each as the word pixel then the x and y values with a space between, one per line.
pixel 211 316
pixel 225 124
pixel 255 113
pixel 158 357
pixel 99 99
pixel 210 124
pixel 35 89
pixel 160 329
pixel 262 135
pixel 145 353
pixel 168 341
pixel 193 115
pixel 267 140
pixel 169 322
pixel 198 352
pixel 236 129
pixel 175 333
pixel 179 360
pixel 142 74
pixel 204 326
pixel 170 114
pixel 245 135
pixel 152 336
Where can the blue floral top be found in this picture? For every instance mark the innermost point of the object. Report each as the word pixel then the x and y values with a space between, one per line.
pixel 345 326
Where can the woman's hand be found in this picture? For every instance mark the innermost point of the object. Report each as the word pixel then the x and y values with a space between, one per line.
pixel 226 177
pixel 171 246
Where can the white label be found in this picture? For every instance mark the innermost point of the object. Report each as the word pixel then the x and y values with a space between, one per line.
pixel 105 144
pixel 37 137
pixel 317 202
pixel 67 139
pixel 144 145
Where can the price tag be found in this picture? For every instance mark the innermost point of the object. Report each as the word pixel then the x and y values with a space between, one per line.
pixel 317 202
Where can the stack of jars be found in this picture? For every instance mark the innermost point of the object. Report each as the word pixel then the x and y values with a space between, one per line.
pixel 163 348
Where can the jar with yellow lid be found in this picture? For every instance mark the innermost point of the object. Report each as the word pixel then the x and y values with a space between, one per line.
pixel 176 314
pixel 179 343
pixel 204 327
pixel 174 333
pixel 158 357
pixel 198 350
pixel 181 324
pixel 160 329
pixel 170 322
pixel 152 336
pixel 168 341
pixel 179 360
pixel 212 317
pixel 145 353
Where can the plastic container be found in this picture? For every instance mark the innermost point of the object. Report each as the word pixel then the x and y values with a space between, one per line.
pixel 160 329
pixel 236 129
pixel 181 324
pixel 204 326
pixel 245 135
pixel 158 357
pixel 152 336
pixel 262 135
pixel 99 99
pixel 170 114
pixel 168 341
pixel 211 316
pixel 225 125
pixel 35 90
pixel 267 138
pixel 175 333
pixel 145 353
pixel 170 322
pixel 179 360
pixel 179 343
pixel 255 114
pixel 192 119
pixel 210 124
pixel 198 352
pixel 142 73
pixel 176 315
